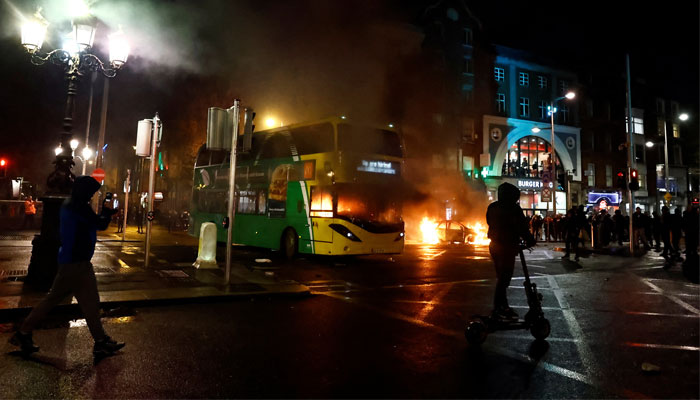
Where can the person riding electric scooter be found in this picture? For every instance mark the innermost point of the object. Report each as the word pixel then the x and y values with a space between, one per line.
pixel 507 226
pixel 509 237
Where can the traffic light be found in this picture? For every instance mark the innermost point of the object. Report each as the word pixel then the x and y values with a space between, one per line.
pixel 634 180
pixel 621 183
pixel 225 223
pixel 3 167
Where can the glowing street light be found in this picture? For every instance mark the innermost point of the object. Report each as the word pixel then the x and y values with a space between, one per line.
pixel 270 122
pixel 87 153
pixel 683 117
pixel 76 59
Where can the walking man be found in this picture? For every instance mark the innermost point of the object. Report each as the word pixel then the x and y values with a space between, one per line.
pixel 78 231
pixel 29 213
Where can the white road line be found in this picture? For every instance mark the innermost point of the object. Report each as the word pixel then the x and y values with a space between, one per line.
pixel 583 350
pixel 672 297
pixel 460 335
pixel 662 346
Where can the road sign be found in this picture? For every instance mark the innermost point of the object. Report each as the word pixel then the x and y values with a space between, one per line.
pixel 546 194
pixel 99 174
pixel 667 196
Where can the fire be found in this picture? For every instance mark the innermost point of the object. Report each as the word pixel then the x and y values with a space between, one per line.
pixel 428 229
pixel 480 236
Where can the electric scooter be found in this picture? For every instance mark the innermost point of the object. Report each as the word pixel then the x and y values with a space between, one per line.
pixel 481 325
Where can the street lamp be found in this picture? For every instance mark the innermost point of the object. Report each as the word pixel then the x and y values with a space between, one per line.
pixel 76 59
pixel 550 111
pixel 650 144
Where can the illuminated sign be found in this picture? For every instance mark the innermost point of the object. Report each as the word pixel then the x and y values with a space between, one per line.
pixel 610 198
pixel 380 167
pixel 532 184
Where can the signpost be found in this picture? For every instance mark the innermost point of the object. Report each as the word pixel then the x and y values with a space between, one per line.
pixel 546 191
pixel 147 139
pixel 99 175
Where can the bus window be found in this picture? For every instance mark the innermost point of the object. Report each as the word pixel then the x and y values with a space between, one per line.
pixel 321 202
pixel 246 202
pixel 314 139
pixel 369 140
pixel 212 201
pixel 276 145
pixel 218 157
pixel 262 199
pixel 203 157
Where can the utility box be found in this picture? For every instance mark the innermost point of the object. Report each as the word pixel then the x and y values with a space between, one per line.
pixel 206 255
pixel 143 138
pixel 219 129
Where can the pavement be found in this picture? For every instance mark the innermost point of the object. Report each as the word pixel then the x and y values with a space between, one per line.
pixel 123 281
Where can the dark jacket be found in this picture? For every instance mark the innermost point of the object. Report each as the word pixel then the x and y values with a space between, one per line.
pixel 507 223
pixel 79 224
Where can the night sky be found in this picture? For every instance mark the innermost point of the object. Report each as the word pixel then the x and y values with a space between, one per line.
pixel 300 60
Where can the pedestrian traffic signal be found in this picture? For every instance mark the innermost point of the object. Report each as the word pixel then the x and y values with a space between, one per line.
pixel 225 222
pixel 3 167
pixel 621 183
pixel 634 180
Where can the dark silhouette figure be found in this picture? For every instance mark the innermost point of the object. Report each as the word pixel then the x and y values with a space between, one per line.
pixel 29 213
pixel 571 233
pixel 78 230
pixel 507 226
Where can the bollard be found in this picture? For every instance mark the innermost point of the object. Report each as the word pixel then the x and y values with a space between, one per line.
pixel 206 255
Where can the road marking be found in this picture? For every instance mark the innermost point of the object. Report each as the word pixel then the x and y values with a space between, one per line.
pixel 123 264
pixel 583 350
pixel 662 346
pixel 460 335
pixel 432 257
pixel 672 298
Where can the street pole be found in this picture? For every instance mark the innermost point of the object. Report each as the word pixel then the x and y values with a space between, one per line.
pixel 151 187
pixel 630 156
pixel 554 165
pixel 232 186
pixel 126 202
pixel 666 169
pixel 89 117
pixel 101 137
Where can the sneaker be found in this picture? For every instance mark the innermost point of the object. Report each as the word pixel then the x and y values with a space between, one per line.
pixel 506 314
pixel 24 342
pixel 106 347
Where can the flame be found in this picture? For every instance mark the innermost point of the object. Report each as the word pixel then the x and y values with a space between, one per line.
pixel 481 234
pixel 428 229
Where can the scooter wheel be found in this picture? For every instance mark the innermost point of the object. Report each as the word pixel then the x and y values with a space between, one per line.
pixel 476 332
pixel 540 329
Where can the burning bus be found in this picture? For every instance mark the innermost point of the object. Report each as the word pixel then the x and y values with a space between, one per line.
pixel 330 187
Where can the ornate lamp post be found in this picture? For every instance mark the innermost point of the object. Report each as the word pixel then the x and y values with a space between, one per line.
pixel 76 60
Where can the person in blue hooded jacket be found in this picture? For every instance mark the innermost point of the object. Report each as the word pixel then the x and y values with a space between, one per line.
pixel 507 227
pixel 78 232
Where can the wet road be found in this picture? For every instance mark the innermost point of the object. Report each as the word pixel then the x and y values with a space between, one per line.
pixel 390 326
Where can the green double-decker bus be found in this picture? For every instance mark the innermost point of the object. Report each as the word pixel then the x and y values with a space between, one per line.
pixel 327 187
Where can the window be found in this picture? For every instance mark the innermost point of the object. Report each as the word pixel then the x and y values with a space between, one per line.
pixel 542 107
pixel 642 179
pixel 524 107
pixel 639 153
pixel 591 174
pixel 467 66
pixel 276 145
pixel 588 140
pixel 660 106
pixel 321 202
pixel 608 176
pixel 501 103
pixel 674 109
pixel 589 108
pixel 527 158
pixel 608 143
pixel 676 131
pixel 499 74
pixel 637 125
pixel 468 130
pixel 542 82
pixel 677 155
pixel 564 112
pixel 313 139
pixel 563 86
pixel 660 126
pixel 468 37
pixel 524 79
pixel 247 200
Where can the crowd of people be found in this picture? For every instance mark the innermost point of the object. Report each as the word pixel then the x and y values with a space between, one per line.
pixel 599 229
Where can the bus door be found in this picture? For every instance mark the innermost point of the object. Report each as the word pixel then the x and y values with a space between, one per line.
pixel 322 213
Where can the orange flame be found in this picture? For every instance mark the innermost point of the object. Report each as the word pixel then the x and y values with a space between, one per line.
pixel 480 236
pixel 428 229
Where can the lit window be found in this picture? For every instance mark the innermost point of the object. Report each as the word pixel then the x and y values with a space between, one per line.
pixel 608 176
pixel 676 131
pixel 637 125
pixel 499 74
pixel 524 107
pixel 501 102
pixel 591 175
pixel 321 202
pixel 524 79
pixel 542 82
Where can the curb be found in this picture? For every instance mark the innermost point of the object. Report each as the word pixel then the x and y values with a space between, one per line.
pixel 156 298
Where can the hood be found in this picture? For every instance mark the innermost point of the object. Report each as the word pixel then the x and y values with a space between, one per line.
pixel 83 189
pixel 508 193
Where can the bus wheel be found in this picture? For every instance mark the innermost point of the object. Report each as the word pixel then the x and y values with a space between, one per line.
pixel 290 244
